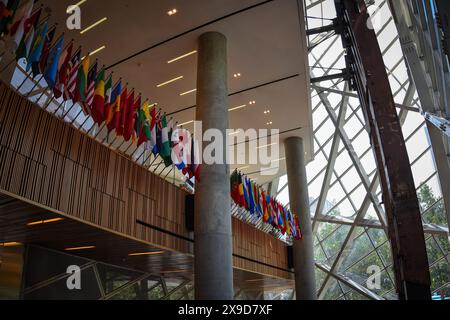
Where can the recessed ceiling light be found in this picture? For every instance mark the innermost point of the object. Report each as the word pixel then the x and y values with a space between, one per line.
pixel 188 92
pixel 44 221
pixel 172 12
pixel 252 102
pixel 238 107
pixel 79 248
pixel 269 123
pixel 93 25
pixel 182 56
pixel 170 81
pixel 266 111
pixel 237 75
pixel 149 253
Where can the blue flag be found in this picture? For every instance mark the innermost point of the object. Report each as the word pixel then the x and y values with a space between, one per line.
pixel 52 63
pixel 38 46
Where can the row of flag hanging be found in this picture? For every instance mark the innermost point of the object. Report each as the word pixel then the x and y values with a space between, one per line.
pixel 73 77
pixel 246 194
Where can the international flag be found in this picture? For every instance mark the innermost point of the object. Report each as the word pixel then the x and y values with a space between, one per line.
pixel 165 148
pixel 251 199
pixel 180 159
pixel 107 99
pixel 19 23
pixel 81 87
pixel 91 79
pixel 98 107
pixel 298 235
pixel 241 192
pixel 266 214
pixel 234 185
pixel 123 115
pixel 26 42
pixel 145 133
pixel 257 197
pixel 7 13
pixel 129 117
pixel 112 113
pixel 62 76
pixel 120 112
pixel 40 66
pixel 52 62
pixel 138 120
pixel 153 125
pixel 73 66
pixel 36 49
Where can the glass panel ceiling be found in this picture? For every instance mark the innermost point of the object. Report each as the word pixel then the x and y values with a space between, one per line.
pixel 350 248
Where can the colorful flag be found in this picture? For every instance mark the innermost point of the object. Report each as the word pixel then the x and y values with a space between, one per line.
pixel 91 79
pixel 74 65
pixel 145 133
pixel 107 99
pixel 241 192
pixel 29 29
pixel 113 112
pixel 62 76
pixel 99 98
pixel 119 114
pixel 19 23
pixel 234 185
pixel 129 117
pixel 7 13
pixel 251 200
pixel 165 143
pixel 153 125
pixel 52 63
pixel 266 215
pixel 40 67
pixel 81 87
pixel 36 49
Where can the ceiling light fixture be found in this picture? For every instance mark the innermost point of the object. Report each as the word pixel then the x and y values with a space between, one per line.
pixel 267 145
pixel 252 102
pixel 278 160
pixel 10 244
pixel 172 12
pixel 169 82
pixel 79 248
pixel 149 253
pixel 182 56
pixel 44 221
pixel 266 111
pixel 269 123
pixel 93 25
pixel 186 123
pixel 237 75
pixel 188 92
pixel 95 51
pixel 238 107
pixel 75 5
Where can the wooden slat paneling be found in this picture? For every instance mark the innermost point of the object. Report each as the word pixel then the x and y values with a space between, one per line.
pixel 51 164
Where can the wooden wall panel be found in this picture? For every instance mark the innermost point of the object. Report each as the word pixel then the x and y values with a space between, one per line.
pixel 52 164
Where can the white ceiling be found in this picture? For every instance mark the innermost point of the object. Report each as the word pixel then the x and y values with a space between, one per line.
pixel 265 45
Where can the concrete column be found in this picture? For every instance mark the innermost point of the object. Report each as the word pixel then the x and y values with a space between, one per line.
pixel 303 250
pixel 213 242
